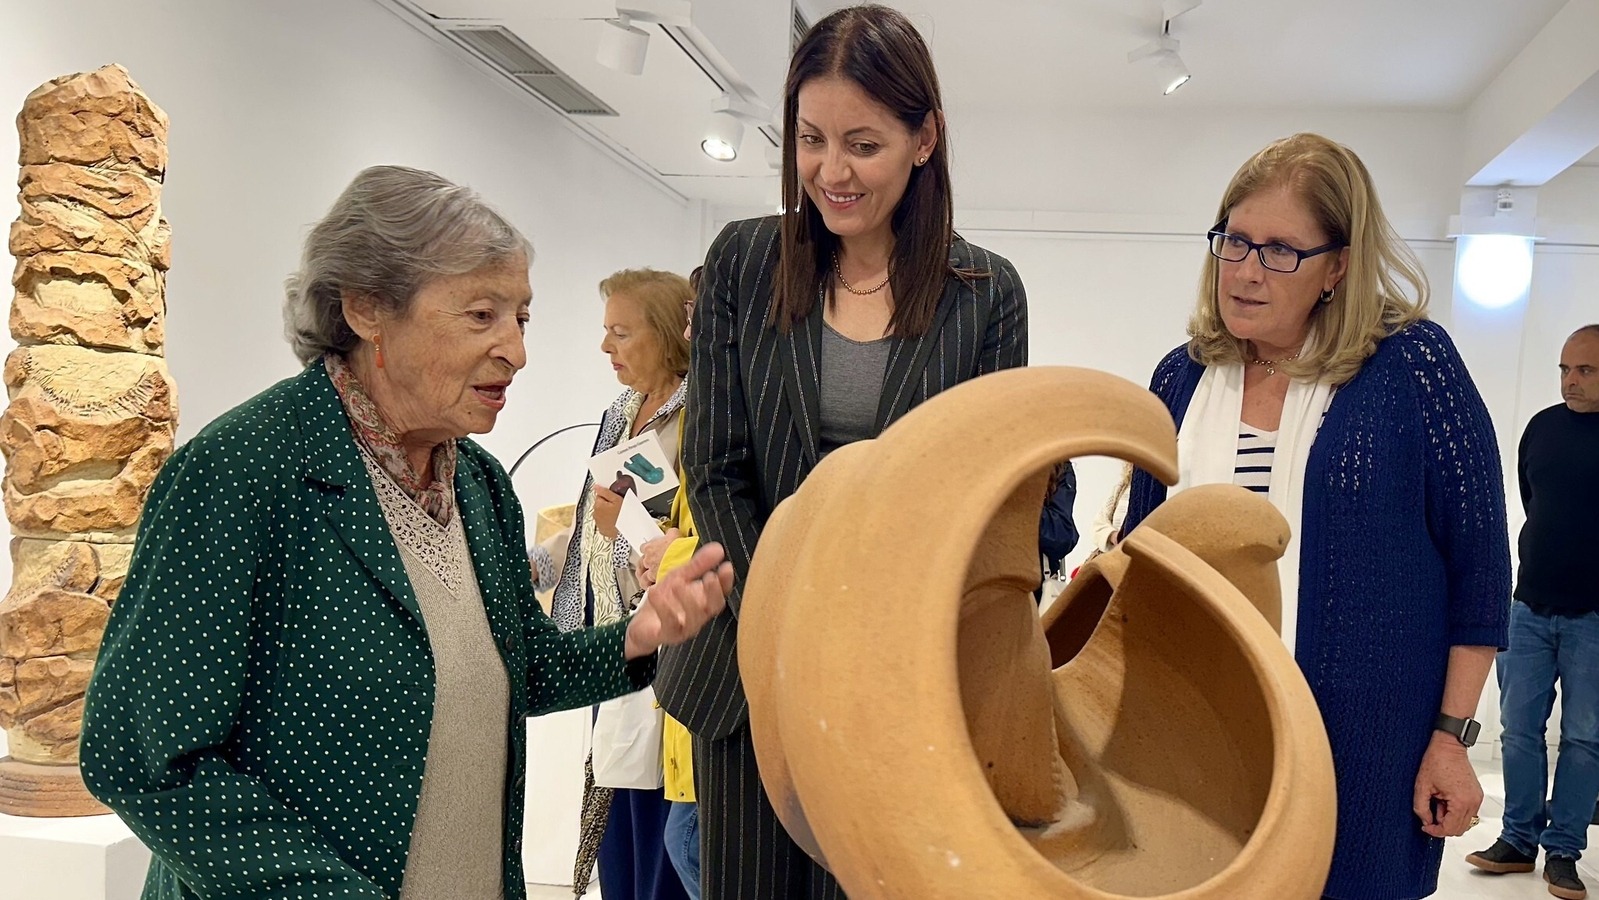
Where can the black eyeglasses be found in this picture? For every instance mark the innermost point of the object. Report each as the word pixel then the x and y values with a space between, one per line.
pixel 1276 256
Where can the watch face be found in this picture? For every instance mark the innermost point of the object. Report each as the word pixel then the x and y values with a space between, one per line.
pixel 1469 733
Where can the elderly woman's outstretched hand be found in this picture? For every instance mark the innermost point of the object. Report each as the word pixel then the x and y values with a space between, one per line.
pixel 680 604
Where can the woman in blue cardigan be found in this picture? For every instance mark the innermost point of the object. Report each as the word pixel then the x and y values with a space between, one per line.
pixel 1313 379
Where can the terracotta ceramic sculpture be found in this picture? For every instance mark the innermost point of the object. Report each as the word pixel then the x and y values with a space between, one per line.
pixel 92 411
pixel 922 734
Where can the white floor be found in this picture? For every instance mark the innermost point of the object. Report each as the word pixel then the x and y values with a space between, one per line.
pixel 1457 880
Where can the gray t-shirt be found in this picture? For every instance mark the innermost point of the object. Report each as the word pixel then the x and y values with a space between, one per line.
pixel 852 387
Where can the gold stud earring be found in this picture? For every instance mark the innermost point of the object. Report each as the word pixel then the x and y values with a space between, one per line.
pixel 922 161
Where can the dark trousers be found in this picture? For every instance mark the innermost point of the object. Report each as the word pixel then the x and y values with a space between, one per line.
pixel 744 852
pixel 633 861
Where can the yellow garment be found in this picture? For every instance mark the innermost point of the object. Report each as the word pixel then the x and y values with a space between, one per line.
pixel 677 748
pixel 677 761
pixel 682 549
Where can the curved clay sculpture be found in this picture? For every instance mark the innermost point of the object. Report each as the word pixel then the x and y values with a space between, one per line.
pixel 921 734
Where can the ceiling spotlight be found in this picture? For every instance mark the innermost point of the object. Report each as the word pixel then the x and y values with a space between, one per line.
pixel 725 133
pixel 723 137
pixel 1163 50
pixel 1174 73
pixel 623 45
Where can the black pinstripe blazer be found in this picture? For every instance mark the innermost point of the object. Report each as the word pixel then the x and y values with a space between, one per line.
pixel 753 421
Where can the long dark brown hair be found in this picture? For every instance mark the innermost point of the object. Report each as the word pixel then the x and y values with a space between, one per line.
pixel 879 50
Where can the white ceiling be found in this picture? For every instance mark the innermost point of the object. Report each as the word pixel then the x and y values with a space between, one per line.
pixel 662 114
pixel 1031 58
pixel 1038 55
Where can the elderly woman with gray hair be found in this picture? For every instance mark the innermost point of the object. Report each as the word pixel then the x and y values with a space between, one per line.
pixel 314 681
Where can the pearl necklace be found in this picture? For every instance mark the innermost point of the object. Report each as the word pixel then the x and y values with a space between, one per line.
pixel 839 271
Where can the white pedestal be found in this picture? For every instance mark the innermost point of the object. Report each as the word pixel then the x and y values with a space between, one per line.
pixel 92 858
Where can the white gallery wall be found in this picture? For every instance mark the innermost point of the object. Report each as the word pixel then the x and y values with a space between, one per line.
pixel 273 108
pixel 1167 167
pixel 1565 286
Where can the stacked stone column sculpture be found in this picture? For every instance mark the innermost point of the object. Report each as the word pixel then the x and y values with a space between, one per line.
pixel 92 409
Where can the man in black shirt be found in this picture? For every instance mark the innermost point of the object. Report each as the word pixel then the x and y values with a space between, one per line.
pixel 1554 634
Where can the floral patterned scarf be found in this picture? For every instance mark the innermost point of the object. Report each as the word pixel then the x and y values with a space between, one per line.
pixel 436 496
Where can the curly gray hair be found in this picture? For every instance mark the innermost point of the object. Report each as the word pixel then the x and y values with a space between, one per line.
pixel 390 232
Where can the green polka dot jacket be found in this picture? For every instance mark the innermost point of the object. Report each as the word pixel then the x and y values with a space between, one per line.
pixel 260 710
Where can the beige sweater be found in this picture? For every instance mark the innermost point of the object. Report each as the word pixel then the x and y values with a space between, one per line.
pixel 456 848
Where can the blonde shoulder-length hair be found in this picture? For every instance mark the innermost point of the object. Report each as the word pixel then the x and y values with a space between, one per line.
pixel 1368 304
pixel 663 297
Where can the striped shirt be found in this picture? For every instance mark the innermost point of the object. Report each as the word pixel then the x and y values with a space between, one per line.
pixel 1255 451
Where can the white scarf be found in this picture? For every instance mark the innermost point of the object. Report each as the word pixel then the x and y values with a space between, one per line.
pixel 1207 453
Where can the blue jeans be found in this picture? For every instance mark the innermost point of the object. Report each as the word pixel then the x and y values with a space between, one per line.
pixel 1544 650
pixel 683 845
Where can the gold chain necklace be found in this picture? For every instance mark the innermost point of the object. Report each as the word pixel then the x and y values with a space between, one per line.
pixel 1272 364
pixel 839 271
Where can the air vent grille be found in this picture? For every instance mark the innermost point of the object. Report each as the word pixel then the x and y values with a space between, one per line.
pixel 501 48
pixel 800 29
pixel 566 94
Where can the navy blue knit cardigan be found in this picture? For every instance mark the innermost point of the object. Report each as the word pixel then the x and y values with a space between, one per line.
pixel 1404 552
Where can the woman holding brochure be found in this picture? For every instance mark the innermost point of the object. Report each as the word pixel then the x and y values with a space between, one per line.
pixel 644 323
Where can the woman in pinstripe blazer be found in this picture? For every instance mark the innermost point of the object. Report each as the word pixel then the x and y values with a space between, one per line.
pixel 813 329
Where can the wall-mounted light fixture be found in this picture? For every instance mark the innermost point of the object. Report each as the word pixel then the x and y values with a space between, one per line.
pixel 1164 49
pixel 1493 259
pixel 1494 270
